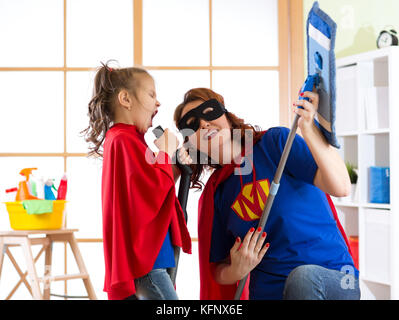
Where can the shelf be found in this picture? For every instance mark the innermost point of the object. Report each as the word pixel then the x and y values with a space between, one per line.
pixel 365 132
pixel 364 278
pixel 366 104
pixel 346 204
pixel 366 57
pixel 348 134
pixel 383 206
pixel 376 131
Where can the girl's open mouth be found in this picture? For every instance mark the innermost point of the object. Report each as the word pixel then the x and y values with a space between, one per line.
pixel 152 117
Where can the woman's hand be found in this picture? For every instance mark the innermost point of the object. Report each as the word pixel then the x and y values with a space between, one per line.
pixel 331 176
pixel 307 114
pixel 244 257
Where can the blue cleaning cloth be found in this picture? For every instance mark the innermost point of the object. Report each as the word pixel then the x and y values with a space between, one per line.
pixel 321 33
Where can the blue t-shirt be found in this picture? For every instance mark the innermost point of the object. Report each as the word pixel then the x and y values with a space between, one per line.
pixel 166 257
pixel 300 229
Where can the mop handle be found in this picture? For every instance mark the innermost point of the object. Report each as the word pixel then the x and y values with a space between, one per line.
pixel 273 191
pixel 279 172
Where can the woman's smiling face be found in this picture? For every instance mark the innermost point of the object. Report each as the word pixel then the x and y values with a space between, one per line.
pixel 212 136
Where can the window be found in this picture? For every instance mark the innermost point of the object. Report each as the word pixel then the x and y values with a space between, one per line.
pixel 47 65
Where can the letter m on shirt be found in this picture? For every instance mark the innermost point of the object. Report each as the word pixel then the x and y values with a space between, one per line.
pixel 246 206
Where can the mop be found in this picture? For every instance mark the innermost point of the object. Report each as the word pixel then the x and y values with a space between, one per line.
pixel 184 188
pixel 321 32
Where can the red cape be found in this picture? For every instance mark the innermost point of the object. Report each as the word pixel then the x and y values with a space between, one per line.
pixel 139 205
pixel 209 288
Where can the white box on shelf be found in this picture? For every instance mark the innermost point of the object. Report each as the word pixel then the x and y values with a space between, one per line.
pixel 346 99
pixel 376 106
pixel 382 94
pixel 370 108
pixel 376 245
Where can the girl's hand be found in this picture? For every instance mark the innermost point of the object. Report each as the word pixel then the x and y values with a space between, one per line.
pixel 184 157
pixel 167 143
pixel 307 114
pixel 247 255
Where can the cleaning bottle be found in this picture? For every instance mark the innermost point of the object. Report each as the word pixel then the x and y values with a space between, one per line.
pixel 62 189
pixel 37 184
pixel 23 192
pixel 32 187
pixel 40 187
pixel 34 184
pixel 48 194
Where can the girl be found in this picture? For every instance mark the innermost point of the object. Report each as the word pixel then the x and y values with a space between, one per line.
pixel 142 217
pixel 308 257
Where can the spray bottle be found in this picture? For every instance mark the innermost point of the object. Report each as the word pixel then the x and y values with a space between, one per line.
pixel 37 184
pixel 23 192
pixel 40 187
pixel 48 193
pixel 62 189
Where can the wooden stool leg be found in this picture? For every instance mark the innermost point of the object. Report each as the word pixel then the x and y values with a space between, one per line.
pixel 47 269
pixel 31 269
pixel 2 253
pixel 22 275
pixel 81 266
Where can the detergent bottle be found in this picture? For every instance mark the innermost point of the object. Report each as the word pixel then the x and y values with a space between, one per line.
pixel 37 184
pixel 23 192
pixel 32 187
pixel 40 187
pixel 48 193
pixel 62 189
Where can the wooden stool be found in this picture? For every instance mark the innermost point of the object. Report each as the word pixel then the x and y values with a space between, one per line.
pixel 21 238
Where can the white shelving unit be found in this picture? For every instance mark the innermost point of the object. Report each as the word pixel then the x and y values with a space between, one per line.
pixel 367 124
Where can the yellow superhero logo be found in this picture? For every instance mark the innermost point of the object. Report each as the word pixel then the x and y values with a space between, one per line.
pixel 250 202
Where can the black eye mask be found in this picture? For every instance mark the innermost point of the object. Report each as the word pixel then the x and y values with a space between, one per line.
pixel 209 110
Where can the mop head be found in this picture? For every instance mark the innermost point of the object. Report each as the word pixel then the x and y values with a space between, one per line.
pixel 321 32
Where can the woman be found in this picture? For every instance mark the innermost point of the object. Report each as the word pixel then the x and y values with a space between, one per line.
pixel 308 256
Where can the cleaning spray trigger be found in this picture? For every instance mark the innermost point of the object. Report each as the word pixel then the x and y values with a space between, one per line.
pixel 53 187
pixel 24 192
